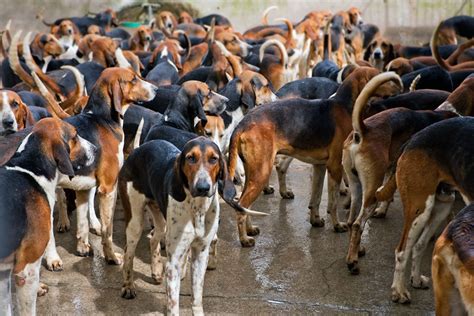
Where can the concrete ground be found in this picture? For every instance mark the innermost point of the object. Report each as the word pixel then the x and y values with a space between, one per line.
pixel 294 268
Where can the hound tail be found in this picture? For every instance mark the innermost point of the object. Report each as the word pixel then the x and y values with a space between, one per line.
pixel 280 46
pixel 266 12
pixel 52 105
pixel 289 35
pixel 434 48
pixel 15 62
pixel 361 102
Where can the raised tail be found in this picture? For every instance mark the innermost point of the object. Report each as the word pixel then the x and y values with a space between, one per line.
pixel 361 101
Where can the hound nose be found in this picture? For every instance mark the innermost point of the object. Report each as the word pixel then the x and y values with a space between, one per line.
pixel 8 123
pixel 148 38
pixel 69 31
pixel 377 55
pixel 169 25
pixel 202 187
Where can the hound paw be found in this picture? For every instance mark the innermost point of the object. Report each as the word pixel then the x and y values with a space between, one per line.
pixel 63 226
pixel 268 190
pixel 341 227
pixel 422 283
pixel 54 265
pixel 253 231
pixel 83 249
pixel 353 267
pixel 114 259
pixel 247 242
pixel 158 278
pixel 96 229
pixel 287 195
pixel 42 290
pixel 401 296
pixel 317 222
pixel 128 291
pixel 379 213
pixel 212 263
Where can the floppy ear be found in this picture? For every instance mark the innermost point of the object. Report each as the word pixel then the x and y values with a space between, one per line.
pixel 391 53
pixel 61 156
pixel 248 97
pixel 178 180
pixel 35 49
pixel 196 104
pixel 109 59
pixel 368 51
pixel 23 116
pixel 116 96
pixel 135 41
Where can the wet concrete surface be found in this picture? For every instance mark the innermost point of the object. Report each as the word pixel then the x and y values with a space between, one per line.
pixel 293 269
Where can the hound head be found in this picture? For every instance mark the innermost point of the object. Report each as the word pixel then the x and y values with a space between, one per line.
pixel 379 53
pixel 167 21
pixel 11 107
pixel 200 167
pixel 120 87
pixel 214 130
pixel 94 29
pixel 202 98
pixel 44 45
pixel 233 43
pixel 63 146
pixel 355 16
pixel 256 89
pixel 144 34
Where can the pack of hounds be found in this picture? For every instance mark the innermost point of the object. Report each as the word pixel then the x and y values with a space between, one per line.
pixel 182 114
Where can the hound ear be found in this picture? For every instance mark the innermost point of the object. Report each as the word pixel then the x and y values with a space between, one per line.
pixel 198 108
pixel 116 95
pixel 225 185
pixel 109 59
pixel 61 157
pixel 178 180
pixel 248 97
pixel 35 49
pixel 391 52
pixel 368 51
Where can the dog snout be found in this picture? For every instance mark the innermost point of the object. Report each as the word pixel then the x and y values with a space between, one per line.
pixel 202 187
pixel 8 122
pixel 69 31
pixel 378 54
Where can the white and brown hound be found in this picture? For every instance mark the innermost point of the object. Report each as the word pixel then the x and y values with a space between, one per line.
pixel 183 187
pixel 27 197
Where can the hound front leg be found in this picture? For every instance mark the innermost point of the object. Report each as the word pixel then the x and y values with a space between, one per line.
pixel 107 208
pixel 333 192
pixel 200 255
pixel 159 232
pixel 316 191
pixel 5 288
pixel 133 232
pixel 83 247
pixel 177 252
pixel 53 261
pixel 27 283
pixel 94 222
pixel 212 263
pixel 63 221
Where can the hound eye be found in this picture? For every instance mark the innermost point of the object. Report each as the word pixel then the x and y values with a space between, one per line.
pixel 191 159
pixel 134 80
pixel 213 160
pixel 14 104
pixel 209 133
